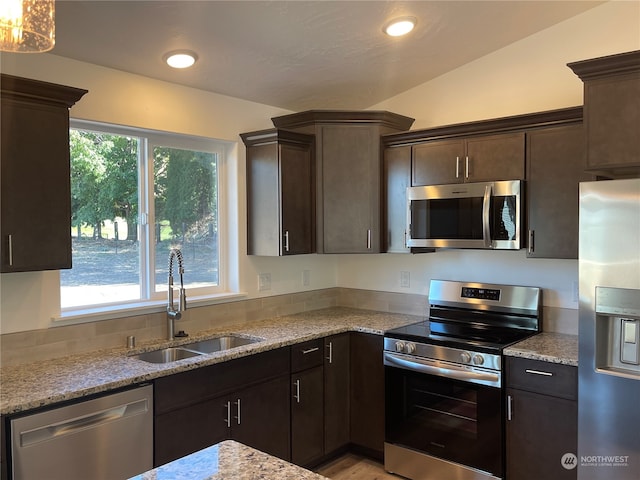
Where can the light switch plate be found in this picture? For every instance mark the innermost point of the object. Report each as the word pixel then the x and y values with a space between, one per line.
pixel 264 282
pixel 405 279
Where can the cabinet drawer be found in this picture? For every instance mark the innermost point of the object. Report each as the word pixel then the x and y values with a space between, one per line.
pixel 542 377
pixel 307 355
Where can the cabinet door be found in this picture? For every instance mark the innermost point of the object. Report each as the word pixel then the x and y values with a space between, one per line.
pixel 612 118
pixel 307 422
pixel 495 157
pixel 260 417
pixel 555 168
pixel 36 188
pixel 187 430
pixel 540 431
pixel 336 392
pixel 350 182
pixel 367 393
pixel 438 163
pixel 296 199
pixel 397 177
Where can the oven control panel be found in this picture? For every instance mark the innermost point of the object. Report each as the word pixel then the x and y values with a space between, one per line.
pixel 481 293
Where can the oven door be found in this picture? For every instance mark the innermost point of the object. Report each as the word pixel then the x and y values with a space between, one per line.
pixel 446 418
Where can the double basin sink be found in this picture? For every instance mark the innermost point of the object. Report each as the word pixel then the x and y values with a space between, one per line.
pixel 202 347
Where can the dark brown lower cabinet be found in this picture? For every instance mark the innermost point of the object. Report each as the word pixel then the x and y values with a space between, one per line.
pixel 307 422
pixel 336 392
pixel 542 420
pixel 367 394
pixel 245 399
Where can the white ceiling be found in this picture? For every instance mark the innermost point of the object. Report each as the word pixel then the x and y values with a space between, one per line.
pixel 298 55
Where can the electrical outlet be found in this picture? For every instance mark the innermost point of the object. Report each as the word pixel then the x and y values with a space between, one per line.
pixel 405 279
pixel 306 278
pixel 264 282
pixel 575 291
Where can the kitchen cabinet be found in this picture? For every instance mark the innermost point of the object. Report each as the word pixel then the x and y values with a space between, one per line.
pixel 475 159
pixel 612 113
pixel 35 177
pixel 397 177
pixel 542 419
pixel 246 399
pixel 307 401
pixel 555 167
pixel 280 193
pixel 348 174
pixel 367 394
pixel 336 397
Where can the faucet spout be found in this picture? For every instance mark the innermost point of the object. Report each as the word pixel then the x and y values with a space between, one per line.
pixel 174 314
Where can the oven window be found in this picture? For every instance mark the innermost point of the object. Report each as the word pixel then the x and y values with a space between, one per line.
pixel 447 218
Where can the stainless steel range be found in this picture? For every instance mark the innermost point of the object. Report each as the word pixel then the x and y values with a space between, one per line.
pixel 444 405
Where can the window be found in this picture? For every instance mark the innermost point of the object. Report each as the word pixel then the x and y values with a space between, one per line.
pixel 135 195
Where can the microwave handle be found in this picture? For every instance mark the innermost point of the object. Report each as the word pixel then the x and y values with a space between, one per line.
pixel 486 211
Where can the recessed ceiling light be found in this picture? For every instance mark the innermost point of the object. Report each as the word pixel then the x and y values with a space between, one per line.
pixel 180 59
pixel 400 26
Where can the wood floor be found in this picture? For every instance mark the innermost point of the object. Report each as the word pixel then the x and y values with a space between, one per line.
pixel 354 467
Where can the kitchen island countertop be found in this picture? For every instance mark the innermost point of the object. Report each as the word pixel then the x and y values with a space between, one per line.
pixel 39 384
pixel 547 347
pixel 229 460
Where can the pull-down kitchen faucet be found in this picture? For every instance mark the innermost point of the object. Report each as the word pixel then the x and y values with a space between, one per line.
pixel 172 313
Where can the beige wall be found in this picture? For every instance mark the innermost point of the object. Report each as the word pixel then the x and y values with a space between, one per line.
pixel 527 76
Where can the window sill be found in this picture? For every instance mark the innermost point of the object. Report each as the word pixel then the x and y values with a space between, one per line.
pixel 108 312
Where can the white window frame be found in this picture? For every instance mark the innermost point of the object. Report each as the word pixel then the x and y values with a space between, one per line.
pixel 227 287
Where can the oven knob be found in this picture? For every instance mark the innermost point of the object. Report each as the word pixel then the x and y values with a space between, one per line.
pixel 410 348
pixel 399 346
pixel 465 357
pixel 478 359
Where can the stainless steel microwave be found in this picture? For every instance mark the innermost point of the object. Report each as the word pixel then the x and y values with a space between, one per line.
pixel 484 215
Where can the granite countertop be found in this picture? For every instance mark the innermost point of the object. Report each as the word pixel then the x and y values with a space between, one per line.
pixel 28 386
pixel 548 347
pixel 226 461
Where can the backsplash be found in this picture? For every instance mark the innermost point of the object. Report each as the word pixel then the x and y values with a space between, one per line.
pixel 36 345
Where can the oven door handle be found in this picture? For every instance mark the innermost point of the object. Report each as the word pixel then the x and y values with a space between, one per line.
pixel 451 371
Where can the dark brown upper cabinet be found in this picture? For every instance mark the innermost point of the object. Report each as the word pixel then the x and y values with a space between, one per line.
pixel 612 113
pixel 280 193
pixel 348 174
pixel 35 204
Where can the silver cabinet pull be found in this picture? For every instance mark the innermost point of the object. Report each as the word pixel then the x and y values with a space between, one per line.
pixel 228 419
pixel 10 250
pixel 457 167
pixel 466 167
pixel 237 417
pixel 297 394
pixel 286 240
pixel 369 239
pixel 310 350
pixel 330 347
pixel 538 372
pixel 509 411
pixel 530 246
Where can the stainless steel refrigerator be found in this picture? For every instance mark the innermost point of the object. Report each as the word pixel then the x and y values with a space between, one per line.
pixel 609 329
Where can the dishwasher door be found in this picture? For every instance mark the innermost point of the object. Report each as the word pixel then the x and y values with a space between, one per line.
pixel 105 438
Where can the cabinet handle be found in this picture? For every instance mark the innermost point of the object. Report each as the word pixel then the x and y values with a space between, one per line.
pixel 466 167
pixel 297 394
pixel 538 372
pixel 369 239
pixel 10 250
pixel 237 404
pixel 228 419
pixel 457 167
pixel 530 247
pixel 509 407
pixel 286 240
pixel 310 350
pixel 330 347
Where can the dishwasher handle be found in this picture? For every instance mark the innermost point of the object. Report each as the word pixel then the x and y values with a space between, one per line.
pixel 73 425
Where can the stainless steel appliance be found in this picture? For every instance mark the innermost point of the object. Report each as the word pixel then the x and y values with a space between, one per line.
pixel 466 215
pixel 108 437
pixel 444 404
pixel 609 350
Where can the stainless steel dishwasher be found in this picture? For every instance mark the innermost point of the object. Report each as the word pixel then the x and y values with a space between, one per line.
pixel 106 438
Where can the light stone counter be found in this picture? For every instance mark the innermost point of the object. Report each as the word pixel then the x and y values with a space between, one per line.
pixel 548 347
pixel 229 460
pixel 28 386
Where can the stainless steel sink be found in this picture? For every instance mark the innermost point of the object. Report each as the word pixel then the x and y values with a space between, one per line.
pixel 219 343
pixel 166 355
